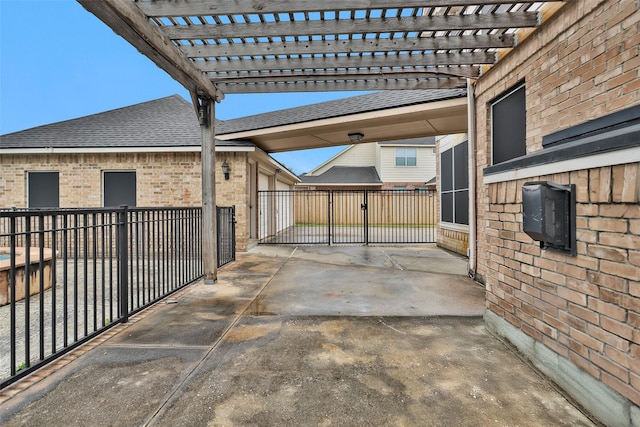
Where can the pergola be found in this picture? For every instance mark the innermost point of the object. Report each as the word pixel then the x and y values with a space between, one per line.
pixel 215 47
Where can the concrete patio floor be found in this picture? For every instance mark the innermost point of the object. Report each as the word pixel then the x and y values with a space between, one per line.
pixel 347 336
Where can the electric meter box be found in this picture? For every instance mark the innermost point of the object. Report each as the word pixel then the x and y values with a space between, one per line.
pixel 549 215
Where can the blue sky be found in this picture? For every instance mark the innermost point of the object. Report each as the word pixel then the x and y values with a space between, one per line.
pixel 58 62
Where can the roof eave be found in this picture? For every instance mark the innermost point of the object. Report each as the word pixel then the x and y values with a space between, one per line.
pixel 108 150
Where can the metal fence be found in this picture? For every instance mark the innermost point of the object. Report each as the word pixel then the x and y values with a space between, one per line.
pixel 68 275
pixel 347 217
pixel 226 223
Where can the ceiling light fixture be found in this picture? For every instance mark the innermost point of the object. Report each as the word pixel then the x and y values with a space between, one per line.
pixel 356 137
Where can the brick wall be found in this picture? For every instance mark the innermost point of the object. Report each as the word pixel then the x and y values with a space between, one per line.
pixel 162 179
pixel 453 240
pixel 235 192
pixel 583 64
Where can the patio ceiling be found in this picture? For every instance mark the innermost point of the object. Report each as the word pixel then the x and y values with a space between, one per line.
pixel 426 119
pixel 213 47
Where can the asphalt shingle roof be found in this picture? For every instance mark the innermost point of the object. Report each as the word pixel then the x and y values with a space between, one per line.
pixel 171 121
pixel 164 122
pixel 345 175
pixel 337 108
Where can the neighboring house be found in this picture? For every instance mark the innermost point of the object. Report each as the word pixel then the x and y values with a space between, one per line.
pixel 404 164
pixel 146 154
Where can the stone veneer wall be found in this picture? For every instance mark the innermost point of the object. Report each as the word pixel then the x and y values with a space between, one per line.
pixel 162 179
pixel 584 63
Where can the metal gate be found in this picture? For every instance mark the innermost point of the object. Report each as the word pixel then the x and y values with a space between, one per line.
pixel 347 217
pixel 226 219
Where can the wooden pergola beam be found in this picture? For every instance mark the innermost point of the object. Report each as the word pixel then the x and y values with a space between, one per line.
pixel 329 75
pixel 448 71
pixel 345 85
pixel 378 61
pixel 172 8
pixel 479 41
pixel 124 17
pixel 127 20
pixel 352 26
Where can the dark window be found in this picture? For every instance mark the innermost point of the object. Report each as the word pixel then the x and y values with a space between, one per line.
pixel 447 207
pixel 119 188
pixel 446 166
pixel 43 190
pixel 406 156
pixel 461 205
pixel 454 185
pixel 509 125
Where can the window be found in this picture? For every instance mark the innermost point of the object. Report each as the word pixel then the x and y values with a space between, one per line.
pixel 509 125
pixel 119 188
pixel 43 190
pixel 405 156
pixel 454 184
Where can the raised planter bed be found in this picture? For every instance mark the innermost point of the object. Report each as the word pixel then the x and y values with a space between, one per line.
pixel 21 271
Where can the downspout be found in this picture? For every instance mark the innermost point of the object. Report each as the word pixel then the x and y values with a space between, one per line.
pixel 471 133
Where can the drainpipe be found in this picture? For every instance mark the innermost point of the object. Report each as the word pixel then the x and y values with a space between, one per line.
pixel 471 133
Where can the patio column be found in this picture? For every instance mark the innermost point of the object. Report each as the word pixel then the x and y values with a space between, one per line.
pixel 207 117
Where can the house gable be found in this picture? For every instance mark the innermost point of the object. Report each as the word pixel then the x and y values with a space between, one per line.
pixel 354 155
pixel 423 171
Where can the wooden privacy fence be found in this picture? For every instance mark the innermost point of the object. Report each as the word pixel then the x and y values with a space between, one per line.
pixel 307 216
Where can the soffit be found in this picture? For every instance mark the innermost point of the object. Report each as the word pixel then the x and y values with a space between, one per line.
pixel 430 119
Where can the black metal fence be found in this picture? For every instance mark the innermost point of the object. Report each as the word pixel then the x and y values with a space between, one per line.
pixel 226 223
pixel 347 217
pixel 68 275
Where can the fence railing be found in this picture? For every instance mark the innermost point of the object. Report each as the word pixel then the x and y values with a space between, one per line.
pixel 226 223
pixel 67 275
pixel 347 217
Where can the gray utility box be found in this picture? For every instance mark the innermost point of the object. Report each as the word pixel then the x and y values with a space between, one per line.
pixel 549 215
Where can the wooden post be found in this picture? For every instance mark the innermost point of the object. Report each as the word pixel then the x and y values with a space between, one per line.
pixel 208 159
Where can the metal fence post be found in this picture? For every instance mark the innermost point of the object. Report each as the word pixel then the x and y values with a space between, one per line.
pixel 366 217
pixel 123 257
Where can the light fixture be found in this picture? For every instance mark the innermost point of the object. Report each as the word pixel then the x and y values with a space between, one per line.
pixel 202 115
pixel 356 137
pixel 225 170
